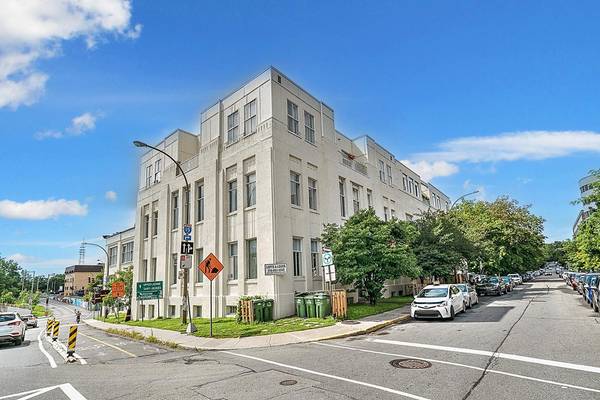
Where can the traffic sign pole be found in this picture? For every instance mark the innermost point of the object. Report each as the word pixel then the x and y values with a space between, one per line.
pixel 211 307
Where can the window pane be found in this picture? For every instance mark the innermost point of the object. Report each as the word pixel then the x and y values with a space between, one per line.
pixel 233 260
pixel 200 202
pixel 250 189
pixel 297 256
pixel 252 259
pixel 232 190
pixel 295 188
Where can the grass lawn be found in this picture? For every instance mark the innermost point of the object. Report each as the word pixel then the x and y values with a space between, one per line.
pixel 357 311
pixel 229 328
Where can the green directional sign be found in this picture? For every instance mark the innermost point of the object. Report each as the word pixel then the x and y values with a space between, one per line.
pixel 149 290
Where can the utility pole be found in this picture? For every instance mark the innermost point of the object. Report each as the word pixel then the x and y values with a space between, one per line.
pixel 31 294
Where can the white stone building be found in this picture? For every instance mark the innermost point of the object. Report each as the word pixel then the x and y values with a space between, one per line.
pixel 266 171
pixel 585 188
pixel 120 247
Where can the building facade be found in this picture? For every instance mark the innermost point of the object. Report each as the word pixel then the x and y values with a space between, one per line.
pixel 585 189
pixel 120 246
pixel 77 277
pixel 266 171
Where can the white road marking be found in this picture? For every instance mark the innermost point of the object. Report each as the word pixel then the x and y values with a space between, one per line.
pixel 70 391
pixel 491 371
pixel 109 345
pixel 44 352
pixel 340 378
pixel 516 357
pixel 66 388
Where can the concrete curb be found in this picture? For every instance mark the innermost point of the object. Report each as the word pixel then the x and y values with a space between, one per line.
pixel 366 331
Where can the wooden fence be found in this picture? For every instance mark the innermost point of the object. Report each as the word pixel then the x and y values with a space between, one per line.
pixel 247 311
pixel 339 304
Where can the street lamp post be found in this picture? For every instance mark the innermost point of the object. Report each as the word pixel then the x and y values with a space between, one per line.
pixel 105 275
pixel 462 197
pixel 191 328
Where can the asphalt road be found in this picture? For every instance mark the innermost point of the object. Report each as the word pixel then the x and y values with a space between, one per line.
pixel 539 342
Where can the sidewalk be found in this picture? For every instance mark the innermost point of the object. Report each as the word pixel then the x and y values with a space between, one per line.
pixel 339 330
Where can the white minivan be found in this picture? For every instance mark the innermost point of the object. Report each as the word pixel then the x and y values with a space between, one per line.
pixel 437 301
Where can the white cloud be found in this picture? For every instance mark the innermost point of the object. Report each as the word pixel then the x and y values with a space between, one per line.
pixel 428 170
pixel 41 209
pixel 111 195
pixel 35 29
pixel 20 258
pixel 79 125
pixel 31 262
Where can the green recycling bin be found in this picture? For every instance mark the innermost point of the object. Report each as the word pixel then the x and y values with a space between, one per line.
pixel 258 306
pixel 322 305
pixel 268 310
pixel 309 300
pixel 300 306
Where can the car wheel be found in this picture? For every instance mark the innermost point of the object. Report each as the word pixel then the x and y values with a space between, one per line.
pixel 451 313
pixel 596 307
pixel 469 305
pixel 18 341
pixel 464 308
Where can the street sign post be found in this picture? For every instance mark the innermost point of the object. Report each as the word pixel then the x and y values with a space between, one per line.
pixel 276 269
pixel 211 267
pixel 185 261
pixel 187 248
pixel 150 291
pixel 328 268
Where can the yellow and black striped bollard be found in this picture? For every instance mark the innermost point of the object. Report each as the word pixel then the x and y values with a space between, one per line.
pixel 72 340
pixel 55 328
pixel 49 326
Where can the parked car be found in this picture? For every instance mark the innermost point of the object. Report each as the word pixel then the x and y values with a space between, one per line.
pixel 492 285
pixel 437 301
pixel 580 283
pixel 12 328
pixel 509 283
pixel 596 295
pixel 588 283
pixel 30 320
pixel 516 278
pixel 469 293
pixel 574 280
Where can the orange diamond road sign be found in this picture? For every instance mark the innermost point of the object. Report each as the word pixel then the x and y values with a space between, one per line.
pixel 118 289
pixel 211 267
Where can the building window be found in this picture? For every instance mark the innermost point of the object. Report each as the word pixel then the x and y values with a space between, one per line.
pixel 146 226
pixel 199 259
pixel 309 127
pixel 174 270
pixel 157 170
pixel 112 255
pixel 404 181
pixel 230 310
pixel 389 174
pixel 393 213
pixel 200 202
pixel 148 175
pixel 197 310
pixel 411 183
pixel 186 205
pixel 292 117
pixel 175 210
pixel 251 189
pixel 381 171
pixel 369 198
pixel 155 223
pixel 232 195
pixel 252 259
pixel 250 118
pixel 153 269
pixel 314 256
pixel 171 311
pixel 295 188
pixel 312 194
pixel 417 189
pixel 232 253
pixel 127 253
pixel 355 198
pixel 144 271
pixel 233 122
pixel 342 189
pixel 385 214
pixel 297 256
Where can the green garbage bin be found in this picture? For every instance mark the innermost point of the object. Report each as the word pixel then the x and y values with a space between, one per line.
pixel 258 306
pixel 309 300
pixel 268 310
pixel 300 306
pixel 322 305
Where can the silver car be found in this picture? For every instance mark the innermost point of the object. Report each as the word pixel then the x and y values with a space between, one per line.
pixel 12 328
pixel 469 294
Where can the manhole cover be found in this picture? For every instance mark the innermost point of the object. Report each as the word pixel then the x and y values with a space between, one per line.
pixel 288 382
pixel 410 363
pixel 350 322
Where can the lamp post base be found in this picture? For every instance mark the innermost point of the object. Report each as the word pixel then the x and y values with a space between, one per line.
pixel 191 328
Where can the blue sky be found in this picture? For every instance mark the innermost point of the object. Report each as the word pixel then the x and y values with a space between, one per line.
pixel 500 96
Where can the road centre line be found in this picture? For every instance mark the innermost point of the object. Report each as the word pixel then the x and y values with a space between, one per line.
pixel 491 371
pixel 516 357
pixel 340 378
pixel 108 344
pixel 44 352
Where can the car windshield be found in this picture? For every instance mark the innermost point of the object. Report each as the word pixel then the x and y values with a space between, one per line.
pixel 493 280
pixel 505 278
pixel 463 288
pixel 7 317
pixel 434 292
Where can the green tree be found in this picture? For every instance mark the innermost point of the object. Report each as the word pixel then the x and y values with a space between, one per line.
pixel 587 243
pixel 441 247
pixel 10 276
pixel 368 251
pixel 556 251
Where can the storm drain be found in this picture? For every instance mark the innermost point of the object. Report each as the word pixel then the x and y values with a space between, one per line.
pixel 410 363
pixel 288 382
pixel 350 322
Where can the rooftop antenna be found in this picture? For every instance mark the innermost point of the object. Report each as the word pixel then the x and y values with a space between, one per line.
pixel 82 253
